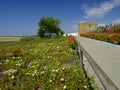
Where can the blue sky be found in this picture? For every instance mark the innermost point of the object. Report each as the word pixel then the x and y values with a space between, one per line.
pixel 21 17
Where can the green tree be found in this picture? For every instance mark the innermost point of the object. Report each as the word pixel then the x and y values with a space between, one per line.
pixel 49 26
pixel 41 32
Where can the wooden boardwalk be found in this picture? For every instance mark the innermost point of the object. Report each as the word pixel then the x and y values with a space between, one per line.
pixel 106 55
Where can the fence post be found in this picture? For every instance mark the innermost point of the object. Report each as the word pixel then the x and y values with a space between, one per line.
pixel 81 59
pixel 76 48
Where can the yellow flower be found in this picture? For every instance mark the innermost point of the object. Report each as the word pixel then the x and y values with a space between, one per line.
pixel 53 70
pixel 75 70
pixel 33 66
pixel 50 81
pixel 53 78
pixel 12 77
pixel 27 73
pixel 85 87
pixel 69 67
pixel 63 68
pixel 65 87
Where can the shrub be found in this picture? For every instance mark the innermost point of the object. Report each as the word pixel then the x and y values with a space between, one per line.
pixel 115 29
pixel 112 35
pixel 28 38
pixel 16 52
pixel 71 41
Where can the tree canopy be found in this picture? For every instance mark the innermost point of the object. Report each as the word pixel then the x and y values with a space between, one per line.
pixel 49 26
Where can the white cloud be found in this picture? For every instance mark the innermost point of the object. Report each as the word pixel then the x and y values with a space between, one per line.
pixel 82 21
pixel 101 9
pixel 101 24
pixel 117 21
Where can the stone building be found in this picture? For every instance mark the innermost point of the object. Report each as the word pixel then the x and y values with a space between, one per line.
pixel 87 27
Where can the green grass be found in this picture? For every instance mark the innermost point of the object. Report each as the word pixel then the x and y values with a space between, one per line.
pixel 43 64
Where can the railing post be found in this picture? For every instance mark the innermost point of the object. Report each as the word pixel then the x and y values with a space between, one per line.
pixel 81 59
pixel 76 48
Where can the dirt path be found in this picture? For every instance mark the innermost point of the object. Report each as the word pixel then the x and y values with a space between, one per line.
pixel 9 38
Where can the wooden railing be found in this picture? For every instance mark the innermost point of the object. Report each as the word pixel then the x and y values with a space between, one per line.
pixel 102 77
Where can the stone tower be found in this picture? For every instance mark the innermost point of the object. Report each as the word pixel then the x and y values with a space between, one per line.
pixel 87 27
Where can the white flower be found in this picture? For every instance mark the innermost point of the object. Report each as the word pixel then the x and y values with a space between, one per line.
pixel 18 57
pixel 21 59
pixel 14 71
pixel 33 74
pixel 45 67
pixel 62 79
pixel 53 70
pixel 57 70
pixel 35 71
pixel 7 60
pixel 18 64
pixel 13 57
pixel 58 64
pixel 35 62
pixel 42 72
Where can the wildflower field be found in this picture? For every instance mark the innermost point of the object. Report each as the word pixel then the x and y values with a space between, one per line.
pixel 40 64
